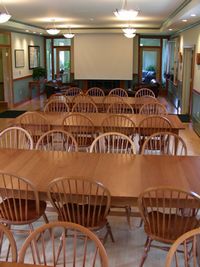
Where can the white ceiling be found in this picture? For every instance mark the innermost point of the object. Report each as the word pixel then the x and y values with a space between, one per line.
pixel 155 16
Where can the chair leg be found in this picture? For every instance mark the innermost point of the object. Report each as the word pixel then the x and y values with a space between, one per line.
pixel 146 250
pixel 141 223
pixel 109 231
pixel 45 218
pixel 128 216
pixel 35 246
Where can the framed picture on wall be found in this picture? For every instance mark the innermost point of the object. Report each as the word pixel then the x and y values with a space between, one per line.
pixel 19 58
pixel 33 56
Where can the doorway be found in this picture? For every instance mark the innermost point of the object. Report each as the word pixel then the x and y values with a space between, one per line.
pixel 187 77
pixel 62 59
pixel 150 64
pixel 6 94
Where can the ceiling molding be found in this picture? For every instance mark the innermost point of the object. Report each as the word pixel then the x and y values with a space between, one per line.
pixel 173 14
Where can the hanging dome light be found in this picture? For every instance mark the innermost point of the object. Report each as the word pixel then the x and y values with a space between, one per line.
pixel 131 35
pixel 4 16
pixel 129 30
pixel 69 35
pixel 53 31
pixel 124 13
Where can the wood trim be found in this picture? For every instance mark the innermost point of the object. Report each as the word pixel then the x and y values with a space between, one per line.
pixel 192 79
pixel 22 78
pixel 195 91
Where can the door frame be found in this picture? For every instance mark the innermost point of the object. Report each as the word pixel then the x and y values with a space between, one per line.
pixel 58 49
pixel 192 49
pixel 159 63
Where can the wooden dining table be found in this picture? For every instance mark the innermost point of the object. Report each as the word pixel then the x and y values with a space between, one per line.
pixel 55 120
pixel 18 264
pixel 102 102
pixel 126 176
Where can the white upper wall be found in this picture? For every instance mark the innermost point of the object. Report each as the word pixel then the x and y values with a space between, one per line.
pixel 191 38
pixel 22 41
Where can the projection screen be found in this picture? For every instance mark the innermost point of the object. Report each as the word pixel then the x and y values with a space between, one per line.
pixel 103 56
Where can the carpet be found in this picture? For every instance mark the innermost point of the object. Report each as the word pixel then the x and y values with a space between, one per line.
pixel 184 117
pixel 11 113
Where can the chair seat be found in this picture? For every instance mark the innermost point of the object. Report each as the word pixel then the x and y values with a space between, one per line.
pixel 18 208
pixel 160 222
pixel 83 214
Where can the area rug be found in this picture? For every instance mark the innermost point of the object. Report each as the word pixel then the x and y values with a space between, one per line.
pixel 11 113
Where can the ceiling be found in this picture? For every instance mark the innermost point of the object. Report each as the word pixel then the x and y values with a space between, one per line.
pixel 155 16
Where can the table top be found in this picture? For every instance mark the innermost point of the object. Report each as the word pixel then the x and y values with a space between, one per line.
pixel 56 118
pixel 97 119
pixel 109 100
pixel 18 264
pixel 126 176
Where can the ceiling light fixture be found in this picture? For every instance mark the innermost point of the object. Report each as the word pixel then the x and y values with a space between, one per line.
pixel 69 35
pixel 130 35
pixel 53 30
pixel 124 13
pixel 193 15
pixel 4 16
pixel 129 30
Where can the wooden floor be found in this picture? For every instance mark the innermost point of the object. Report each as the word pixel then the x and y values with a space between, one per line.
pixel 128 247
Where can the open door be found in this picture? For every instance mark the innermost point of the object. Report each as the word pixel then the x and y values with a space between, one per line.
pixel 62 61
pixel 6 94
pixel 150 64
pixel 188 69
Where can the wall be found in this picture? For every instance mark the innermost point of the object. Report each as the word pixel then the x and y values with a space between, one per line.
pixel 22 75
pixel 191 38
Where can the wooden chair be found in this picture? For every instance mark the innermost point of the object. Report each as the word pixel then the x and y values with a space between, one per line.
pixel 81 201
pixel 35 123
pixel 57 140
pixel 95 91
pixel 150 125
pixel 7 245
pixel 189 245
pixel 164 143
pixel 119 123
pixel 144 92
pixel 154 108
pixel 82 129
pixel 119 92
pixel 72 91
pixel 113 142
pixel 120 108
pixel 140 101
pixel 20 202
pixel 167 214
pixel 15 138
pixel 59 97
pixel 84 103
pixel 56 106
pixel 69 244
pixel 110 99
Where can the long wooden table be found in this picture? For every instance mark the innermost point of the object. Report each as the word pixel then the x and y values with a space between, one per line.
pixel 109 100
pixel 126 176
pixel 18 264
pixel 102 102
pixel 55 119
